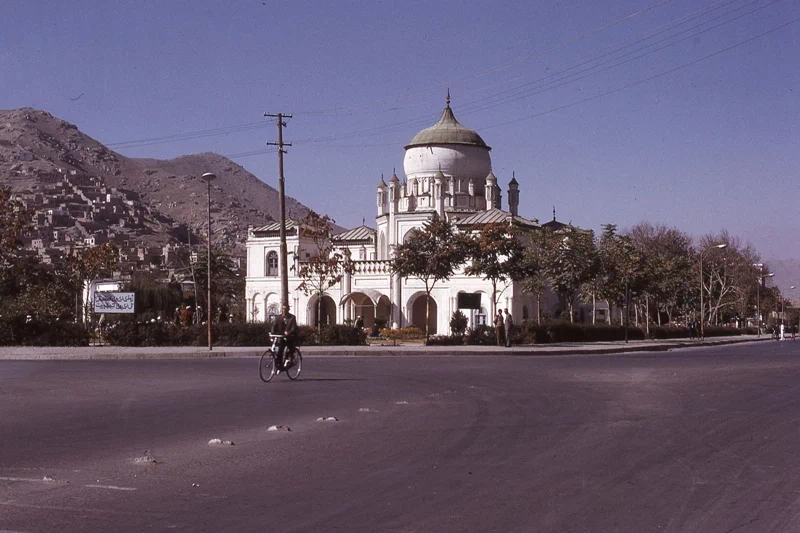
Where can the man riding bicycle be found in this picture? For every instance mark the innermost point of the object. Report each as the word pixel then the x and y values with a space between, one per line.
pixel 285 324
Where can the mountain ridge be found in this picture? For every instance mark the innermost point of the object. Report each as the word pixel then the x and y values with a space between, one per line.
pixel 35 144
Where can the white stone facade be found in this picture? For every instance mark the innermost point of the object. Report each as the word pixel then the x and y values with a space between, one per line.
pixel 448 172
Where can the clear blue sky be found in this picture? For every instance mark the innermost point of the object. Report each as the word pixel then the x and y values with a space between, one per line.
pixel 697 126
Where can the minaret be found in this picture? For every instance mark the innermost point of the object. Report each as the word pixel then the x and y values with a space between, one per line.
pixel 490 191
pixel 393 190
pixel 513 195
pixel 382 197
pixel 471 192
pixel 438 192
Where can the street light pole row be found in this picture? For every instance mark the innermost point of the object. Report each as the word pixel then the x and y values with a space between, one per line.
pixel 761 278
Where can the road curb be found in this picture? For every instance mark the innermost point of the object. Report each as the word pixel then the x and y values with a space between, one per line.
pixel 85 354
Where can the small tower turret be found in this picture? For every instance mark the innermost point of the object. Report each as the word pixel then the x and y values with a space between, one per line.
pixel 513 195
pixel 382 197
pixel 438 192
pixel 490 191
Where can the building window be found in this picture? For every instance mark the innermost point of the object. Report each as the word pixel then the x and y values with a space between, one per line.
pixel 272 263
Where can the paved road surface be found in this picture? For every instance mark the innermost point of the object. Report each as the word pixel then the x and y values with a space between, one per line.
pixel 697 440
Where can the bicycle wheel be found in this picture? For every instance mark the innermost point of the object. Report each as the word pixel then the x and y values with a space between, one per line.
pixel 297 364
pixel 266 366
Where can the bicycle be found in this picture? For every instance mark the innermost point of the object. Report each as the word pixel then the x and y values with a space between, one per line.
pixel 269 365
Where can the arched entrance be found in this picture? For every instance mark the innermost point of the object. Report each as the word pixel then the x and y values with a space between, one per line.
pixel 256 313
pixel 323 314
pixel 418 314
pixel 383 313
pixel 362 306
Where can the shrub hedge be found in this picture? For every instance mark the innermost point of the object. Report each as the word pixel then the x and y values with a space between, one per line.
pixel 131 333
pixel 17 331
pixel 445 340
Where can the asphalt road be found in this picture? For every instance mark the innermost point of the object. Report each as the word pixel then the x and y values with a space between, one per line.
pixel 695 440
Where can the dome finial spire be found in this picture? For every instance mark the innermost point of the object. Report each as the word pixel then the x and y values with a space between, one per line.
pixel 554 212
pixel 447 100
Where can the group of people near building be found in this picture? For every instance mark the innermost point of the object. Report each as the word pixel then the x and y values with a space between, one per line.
pixel 186 315
pixel 502 327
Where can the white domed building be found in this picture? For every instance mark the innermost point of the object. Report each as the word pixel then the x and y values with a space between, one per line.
pixel 448 171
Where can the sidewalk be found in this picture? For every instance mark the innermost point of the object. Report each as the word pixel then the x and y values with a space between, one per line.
pixel 45 353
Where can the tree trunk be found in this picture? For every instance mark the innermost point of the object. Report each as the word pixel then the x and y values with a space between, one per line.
pixel 594 309
pixel 319 314
pixel 571 318
pixel 493 311
pixel 538 308
pixel 647 315
pixel 427 312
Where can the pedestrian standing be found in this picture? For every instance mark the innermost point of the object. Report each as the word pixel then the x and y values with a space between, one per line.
pixel 498 328
pixel 509 324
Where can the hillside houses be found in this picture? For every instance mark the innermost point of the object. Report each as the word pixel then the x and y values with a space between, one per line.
pixel 71 211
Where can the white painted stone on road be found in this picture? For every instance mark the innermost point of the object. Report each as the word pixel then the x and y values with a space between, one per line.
pixel 111 487
pixel 327 419
pixel 146 458
pixel 221 442
pixel 279 428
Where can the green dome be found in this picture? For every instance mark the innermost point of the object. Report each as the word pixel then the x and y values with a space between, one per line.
pixel 447 131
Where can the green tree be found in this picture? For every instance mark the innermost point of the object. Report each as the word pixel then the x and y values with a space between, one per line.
pixel 89 264
pixel 431 254
pixel 535 257
pixel 497 255
pixel 327 266
pixel 570 263
pixel 667 257
pixel 227 285
pixel 621 266
pixel 13 221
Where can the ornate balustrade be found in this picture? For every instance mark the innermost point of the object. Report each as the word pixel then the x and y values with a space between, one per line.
pixel 372 267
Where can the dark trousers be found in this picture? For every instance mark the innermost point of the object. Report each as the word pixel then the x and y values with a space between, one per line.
pixel 498 331
pixel 286 348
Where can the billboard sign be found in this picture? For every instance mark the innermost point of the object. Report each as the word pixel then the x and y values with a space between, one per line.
pixel 114 302
pixel 469 301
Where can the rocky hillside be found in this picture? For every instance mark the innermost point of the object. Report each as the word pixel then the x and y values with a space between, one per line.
pixel 35 144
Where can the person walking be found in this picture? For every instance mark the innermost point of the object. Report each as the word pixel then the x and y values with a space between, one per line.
pixel 498 328
pixel 509 324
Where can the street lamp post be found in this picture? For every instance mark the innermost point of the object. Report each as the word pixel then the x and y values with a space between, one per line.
pixel 209 177
pixel 783 306
pixel 761 278
pixel 702 308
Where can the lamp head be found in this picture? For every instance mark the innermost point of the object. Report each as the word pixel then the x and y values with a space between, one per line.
pixel 721 246
pixel 209 176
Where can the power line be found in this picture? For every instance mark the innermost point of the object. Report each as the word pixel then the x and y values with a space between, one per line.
pixel 190 135
pixel 528 57
pixel 615 62
pixel 656 76
pixel 475 106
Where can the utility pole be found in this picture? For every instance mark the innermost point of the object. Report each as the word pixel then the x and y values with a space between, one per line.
pixel 283 262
